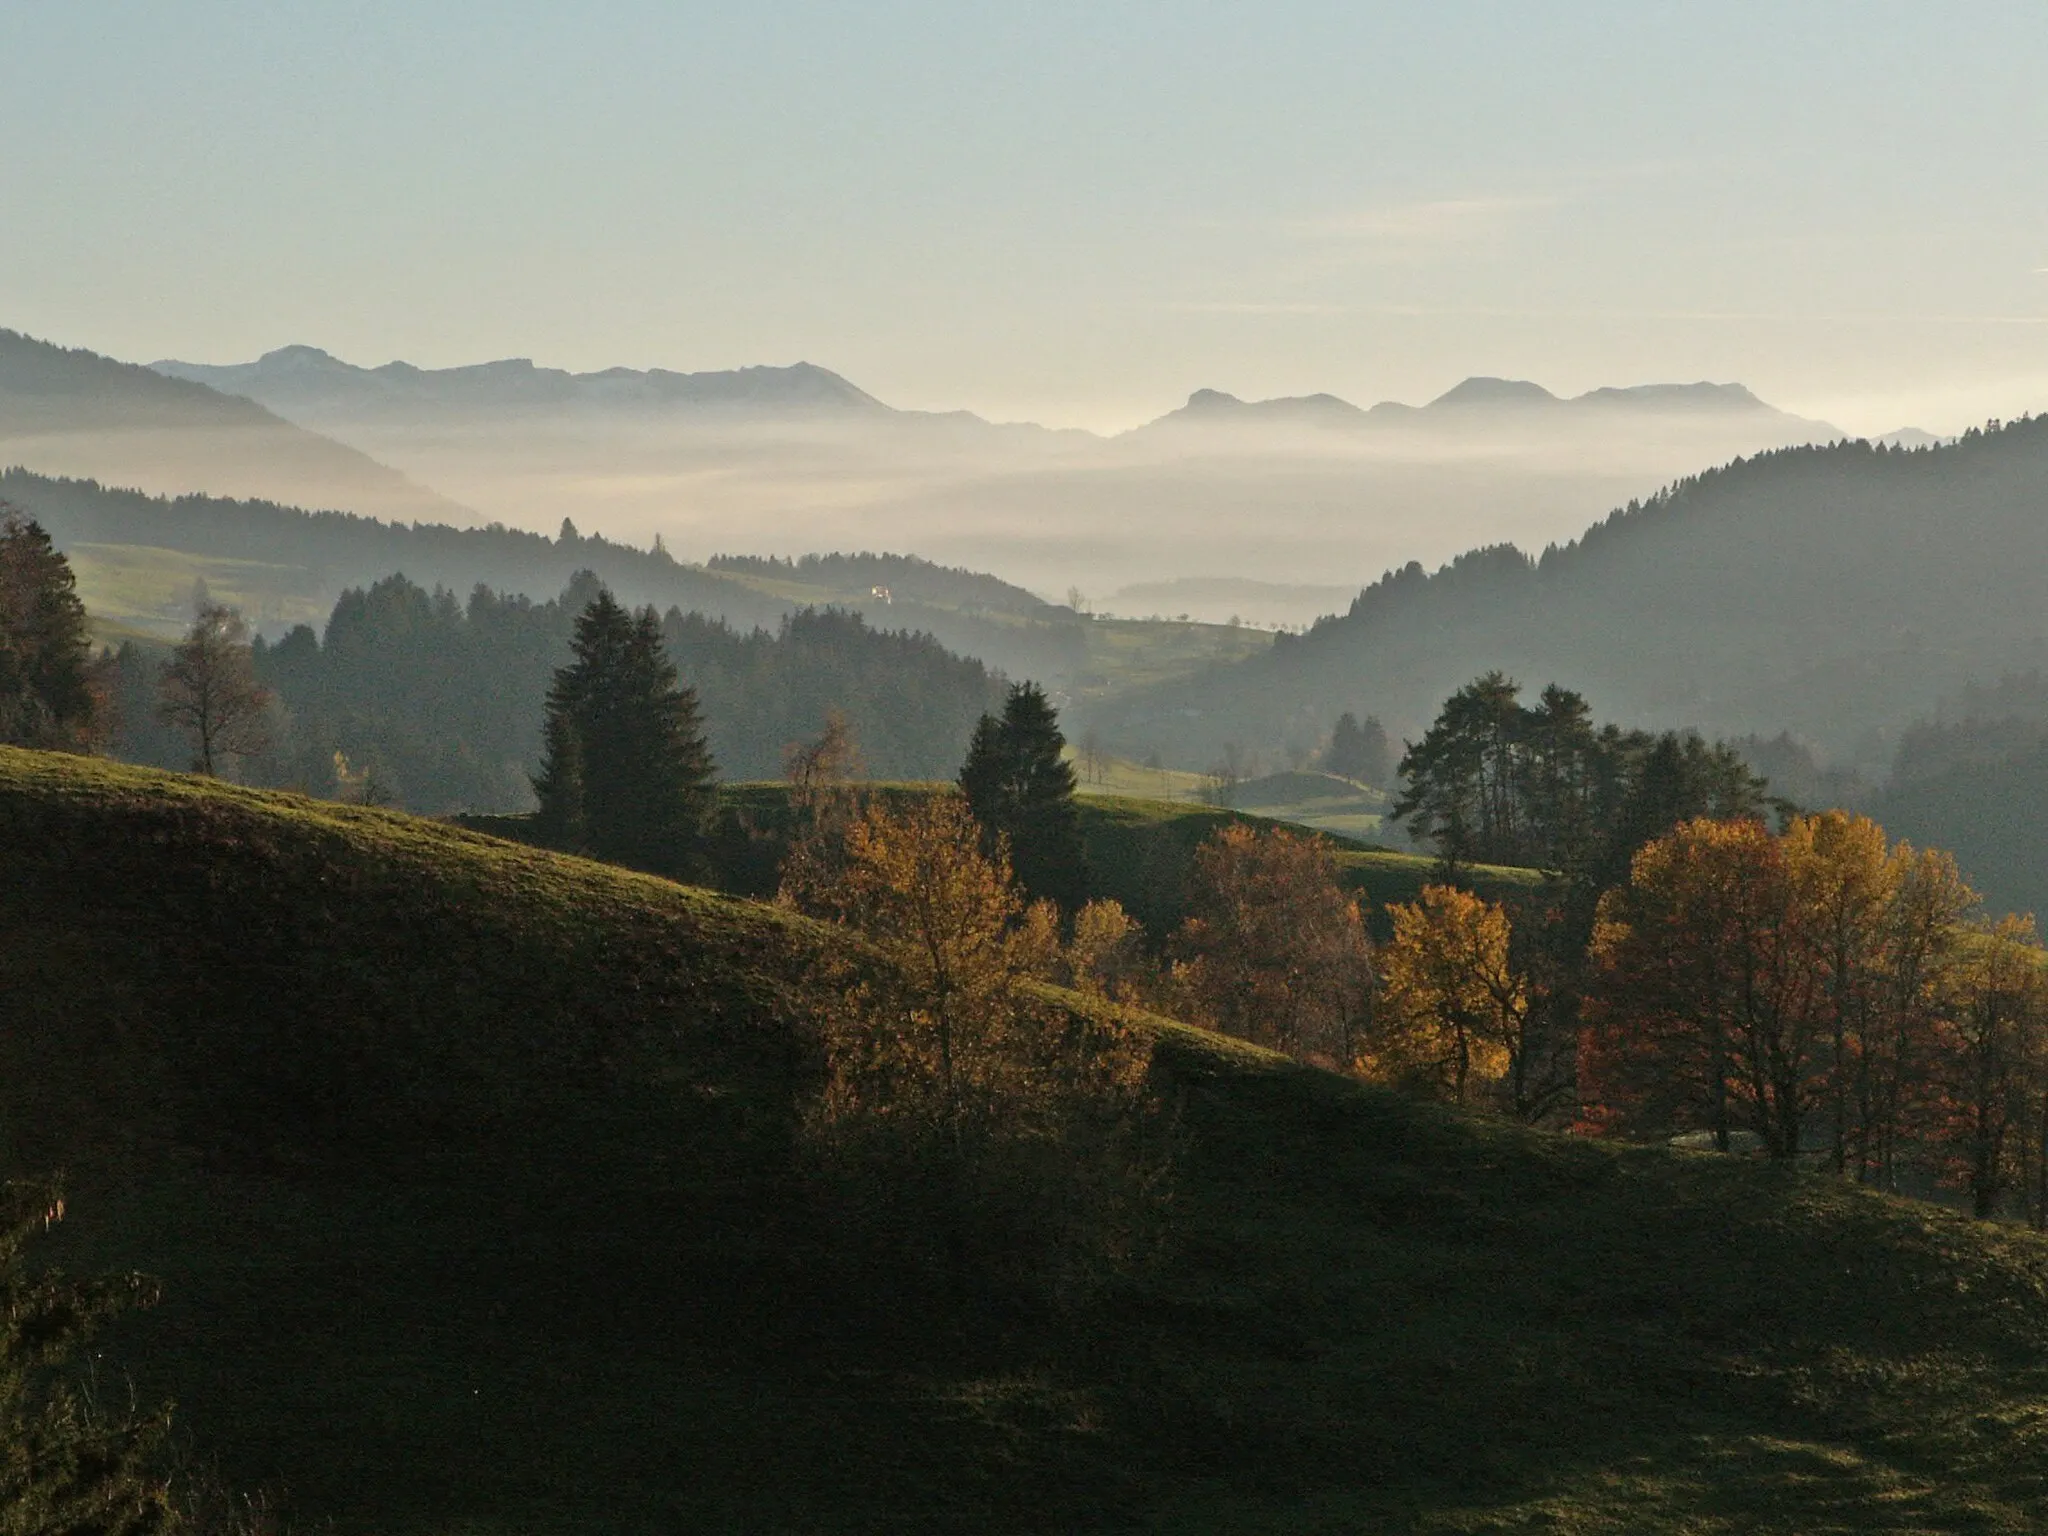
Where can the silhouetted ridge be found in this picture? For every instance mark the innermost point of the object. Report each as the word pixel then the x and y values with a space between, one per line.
pixel 1675 397
pixel 1487 391
pixel 297 374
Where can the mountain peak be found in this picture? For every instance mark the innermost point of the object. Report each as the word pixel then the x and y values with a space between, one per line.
pixel 1484 390
pixel 1311 409
pixel 1676 397
pixel 298 355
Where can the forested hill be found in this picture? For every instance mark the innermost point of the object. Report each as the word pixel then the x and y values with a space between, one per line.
pixel 1836 591
pixel 332 552
pixel 343 549
pixel 443 699
pixel 72 412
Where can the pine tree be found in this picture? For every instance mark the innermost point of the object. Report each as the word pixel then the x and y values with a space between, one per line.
pixel 627 777
pixel 1021 789
pixel 47 698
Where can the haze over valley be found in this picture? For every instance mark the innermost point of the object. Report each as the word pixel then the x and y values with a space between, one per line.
pixel 782 460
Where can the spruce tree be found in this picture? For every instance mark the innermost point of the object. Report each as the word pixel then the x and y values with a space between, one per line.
pixel 1358 752
pixel 1020 787
pixel 627 777
pixel 47 697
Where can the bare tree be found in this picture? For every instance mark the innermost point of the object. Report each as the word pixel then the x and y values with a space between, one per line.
pixel 1094 758
pixel 208 690
pixel 815 766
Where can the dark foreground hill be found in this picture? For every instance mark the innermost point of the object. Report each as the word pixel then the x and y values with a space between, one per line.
pixel 1836 592
pixel 465 1171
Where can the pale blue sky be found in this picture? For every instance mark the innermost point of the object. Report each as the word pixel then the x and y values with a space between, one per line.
pixel 1076 212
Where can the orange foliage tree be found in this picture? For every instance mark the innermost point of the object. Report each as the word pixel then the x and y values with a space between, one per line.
pixel 1274 951
pixel 1704 1013
pixel 1791 985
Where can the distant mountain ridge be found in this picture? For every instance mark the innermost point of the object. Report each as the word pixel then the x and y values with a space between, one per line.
pixel 1493 399
pixel 69 411
pixel 307 378
pixel 303 376
pixel 783 460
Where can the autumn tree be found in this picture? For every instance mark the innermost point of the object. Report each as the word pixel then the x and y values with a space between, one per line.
pixel 627 776
pixel 1106 955
pixel 207 691
pixel 1705 1014
pixel 1786 984
pixel 1274 950
pixel 1020 788
pixel 48 692
pixel 1454 1010
pixel 1881 926
pixel 951 1075
pixel 1995 1070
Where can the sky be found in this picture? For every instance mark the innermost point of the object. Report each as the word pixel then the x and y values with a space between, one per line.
pixel 1075 213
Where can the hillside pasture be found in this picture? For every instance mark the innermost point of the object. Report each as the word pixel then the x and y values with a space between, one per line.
pixel 466 1171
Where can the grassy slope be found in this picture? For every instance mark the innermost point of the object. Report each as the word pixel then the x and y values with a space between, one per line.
pixel 514 1261
pixel 1138 851
pixel 1319 800
pixel 150 590
pixel 1121 776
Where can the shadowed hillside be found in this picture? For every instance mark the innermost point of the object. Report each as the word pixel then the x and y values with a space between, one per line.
pixel 1837 592
pixel 72 412
pixel 464 1167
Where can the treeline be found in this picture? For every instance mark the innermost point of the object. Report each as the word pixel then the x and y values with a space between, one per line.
pixel 970 614
pixel 906 577
pixel 1495 781
pixel 436 703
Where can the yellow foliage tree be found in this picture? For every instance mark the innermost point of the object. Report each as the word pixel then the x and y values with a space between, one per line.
pixel 1994 1073
pixel 1453 1010
pixel 952 1073
pixel 1106 955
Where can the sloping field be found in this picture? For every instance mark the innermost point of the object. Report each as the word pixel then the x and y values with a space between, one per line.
pixel 466 1169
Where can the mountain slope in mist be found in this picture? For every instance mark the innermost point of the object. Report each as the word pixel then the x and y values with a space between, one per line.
pixel 1837 592
pixel 72 412
pixel 786 461
pixel 318 555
